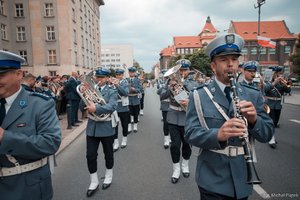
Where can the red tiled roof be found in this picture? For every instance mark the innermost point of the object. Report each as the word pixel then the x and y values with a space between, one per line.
pixel 208 27
pixel 187 42
pixel 167 51
pixel 271 29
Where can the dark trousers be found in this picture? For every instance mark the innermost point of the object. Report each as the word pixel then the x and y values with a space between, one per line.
pixel 74 110
pixel 165 123
pixel 92 144
pixel 275 115
pixel 134 111
pixel 207 195
pixel 125 120
pixel 178 142
pixel 142 101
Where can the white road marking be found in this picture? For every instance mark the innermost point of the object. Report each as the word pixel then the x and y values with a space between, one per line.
pixel 295 120
pixel 261 192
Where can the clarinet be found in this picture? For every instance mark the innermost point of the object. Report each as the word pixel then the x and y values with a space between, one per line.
pixel 252 177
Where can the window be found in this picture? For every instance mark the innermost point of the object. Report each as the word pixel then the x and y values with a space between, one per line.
pixel 82 41
pixel 52 57
pixel 287 49
pixel 1 7
pixel 73 15
pixel 263 51
pixel 253 50
pixel 272 51
pixel 52 73
pixel 80 4
pixel 81 22
pixel 83 60
pixel 3 32
pixel 117 54
pixel 76 58
pixel 244 51
pixel 21 33
pixel 49 10
pixel 74 36
pixel 23 54
pixel 50 33
pixel 19 10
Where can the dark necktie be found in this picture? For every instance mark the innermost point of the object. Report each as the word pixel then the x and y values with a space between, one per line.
pixel 250 83
pixel 2 110
pixel 227 93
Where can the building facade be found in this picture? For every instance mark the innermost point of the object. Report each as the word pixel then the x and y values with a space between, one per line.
pixel 277 31
pixel 54 36
pixel 117 56
pixel 184 45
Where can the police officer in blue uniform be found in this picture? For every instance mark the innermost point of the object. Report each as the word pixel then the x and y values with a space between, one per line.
pixel 176 117
pixel 274 91
pixel 250 70
pixel 122 86
pixel 135 94
pixel 101 131
pixel 164 107
pixel 29 133
pixel 221 171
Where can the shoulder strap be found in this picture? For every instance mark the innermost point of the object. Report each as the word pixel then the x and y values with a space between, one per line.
pixel 198 106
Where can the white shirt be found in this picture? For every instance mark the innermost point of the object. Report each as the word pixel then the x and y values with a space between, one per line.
pixel 10 100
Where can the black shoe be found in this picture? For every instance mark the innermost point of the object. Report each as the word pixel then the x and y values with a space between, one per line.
pixel 105 186
pixel 90 193
pixel 277 126
pixel 123 146
pixel 116 149
pixel 174 180
pixel 186 174
pixel 166 146
pixel 273 145
pixel 79 121
pixel 75 124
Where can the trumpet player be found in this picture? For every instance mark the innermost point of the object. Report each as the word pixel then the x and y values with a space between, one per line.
pixel 221 171
pixel 274 91
pixel 135 95
pixel 101 131
pixel 183 83
pixel 122 87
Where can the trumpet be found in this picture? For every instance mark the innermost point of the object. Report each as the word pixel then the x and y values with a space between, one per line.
pixel 252 177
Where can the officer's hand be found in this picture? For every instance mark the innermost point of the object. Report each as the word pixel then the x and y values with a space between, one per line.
pixel 1 134
pixel 232 128
pixel 248 111
pixel 184 102
pixel 91 107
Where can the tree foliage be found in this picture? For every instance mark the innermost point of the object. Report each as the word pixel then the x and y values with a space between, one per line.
pixel 199 61
pixel 295 58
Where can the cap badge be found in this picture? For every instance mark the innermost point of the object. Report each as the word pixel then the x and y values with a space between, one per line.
pixel 229 39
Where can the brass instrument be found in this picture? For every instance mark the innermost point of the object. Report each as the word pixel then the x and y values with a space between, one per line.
pixel 252 177
pixel 89 93
pixel 175 84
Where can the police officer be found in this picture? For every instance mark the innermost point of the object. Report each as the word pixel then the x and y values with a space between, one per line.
pixel 250 70
pixel 28 82
pixel 176 117
pixel 135 94
pixel 101 131
pixel 221 173
pixel 164 106
pixel 29 133
pixel 274 91
pixel 122 87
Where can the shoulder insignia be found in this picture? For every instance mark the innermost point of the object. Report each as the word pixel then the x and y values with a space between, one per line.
pixel 43 96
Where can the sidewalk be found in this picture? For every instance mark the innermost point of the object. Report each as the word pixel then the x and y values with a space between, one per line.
pixel 69 135
pixel 294 98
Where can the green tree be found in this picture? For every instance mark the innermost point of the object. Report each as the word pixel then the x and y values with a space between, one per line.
pixel 200 61
pixel 295 58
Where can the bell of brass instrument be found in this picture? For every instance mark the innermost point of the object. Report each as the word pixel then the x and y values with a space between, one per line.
pixel 88 93
pixel 252 177
pixel 178 88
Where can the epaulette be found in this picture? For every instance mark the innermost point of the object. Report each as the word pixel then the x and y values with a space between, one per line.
pixel 249 86
pixel 43 96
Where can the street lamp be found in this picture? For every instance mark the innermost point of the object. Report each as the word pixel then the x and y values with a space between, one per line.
pixel 259 4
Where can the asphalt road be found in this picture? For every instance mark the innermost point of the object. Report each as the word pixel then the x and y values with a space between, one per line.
pixel 142 170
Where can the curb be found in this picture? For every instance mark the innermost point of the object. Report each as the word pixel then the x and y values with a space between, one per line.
pixel 71 137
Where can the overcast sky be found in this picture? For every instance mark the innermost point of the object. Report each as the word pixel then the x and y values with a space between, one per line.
pixel 149 25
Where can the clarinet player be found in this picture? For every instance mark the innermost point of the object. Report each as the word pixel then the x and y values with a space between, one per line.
pixel 221 171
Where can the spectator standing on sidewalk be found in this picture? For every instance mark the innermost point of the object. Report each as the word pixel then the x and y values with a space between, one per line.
pixel 29 133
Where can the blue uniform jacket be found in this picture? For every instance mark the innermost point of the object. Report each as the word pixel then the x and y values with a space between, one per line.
pixel 164 102
pixel 123 91
pixel 104 128
pixel 135 95
pixel 275 91
pixel 31 132
pixel 70 88
pixel 217 172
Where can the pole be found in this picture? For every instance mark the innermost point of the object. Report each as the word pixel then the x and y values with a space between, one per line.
pixel 259 4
